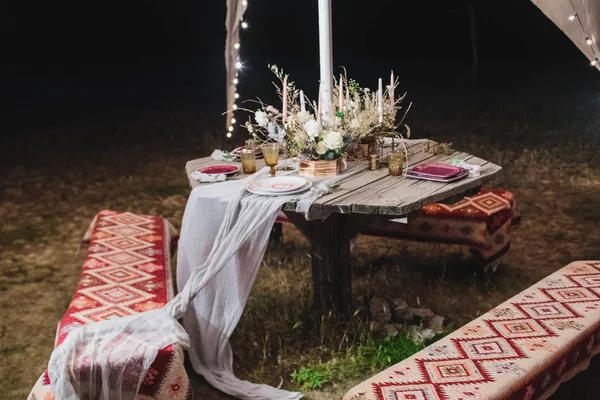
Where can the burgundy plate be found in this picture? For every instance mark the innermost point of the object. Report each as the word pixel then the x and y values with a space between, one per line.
pixel 460 175
pixel 226 169
pixel 443 171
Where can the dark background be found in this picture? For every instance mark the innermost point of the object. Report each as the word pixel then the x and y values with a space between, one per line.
pixel 64 58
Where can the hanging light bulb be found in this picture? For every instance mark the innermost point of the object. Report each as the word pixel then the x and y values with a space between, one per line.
pixel 228 134
pixel 238 65
pixel 236 95
pixel 244 25
pixel 233 120
pixel 236 81
pixel 589 41
pixel 594 62
pixel 245 3
pixel 231 129
pixel 572 17
pixel 234 107
pixel 236 46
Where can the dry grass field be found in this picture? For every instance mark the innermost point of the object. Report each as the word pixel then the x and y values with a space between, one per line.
pixel 54 179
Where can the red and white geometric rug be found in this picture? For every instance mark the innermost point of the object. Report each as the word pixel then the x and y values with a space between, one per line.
pixel 127 271
pixel 483 222
pixel 522 349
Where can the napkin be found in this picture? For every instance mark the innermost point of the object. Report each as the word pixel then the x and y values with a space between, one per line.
pixel 220 155
pixel 206 178
pixel 474 170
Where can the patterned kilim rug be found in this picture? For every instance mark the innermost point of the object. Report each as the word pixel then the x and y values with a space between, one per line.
pixel 483 222
pixel 127 271
pixel 522 349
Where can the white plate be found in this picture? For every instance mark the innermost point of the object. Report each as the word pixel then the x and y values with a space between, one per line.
pixel 254 190
pixel 280 184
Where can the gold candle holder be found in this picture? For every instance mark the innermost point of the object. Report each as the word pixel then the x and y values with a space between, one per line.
pixel 395 163
pixel 248 161
pixel 271 154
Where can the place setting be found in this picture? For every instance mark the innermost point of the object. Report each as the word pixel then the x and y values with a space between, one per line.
pixel 215 173
pixel 279 186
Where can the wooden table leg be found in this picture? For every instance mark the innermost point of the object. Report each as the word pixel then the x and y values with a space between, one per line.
pixel 332 281
pixel 330 241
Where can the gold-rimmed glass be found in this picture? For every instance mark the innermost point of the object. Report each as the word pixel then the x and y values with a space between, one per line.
pixel 271 154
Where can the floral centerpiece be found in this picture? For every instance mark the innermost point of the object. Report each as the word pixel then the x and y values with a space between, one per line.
pixel 361 117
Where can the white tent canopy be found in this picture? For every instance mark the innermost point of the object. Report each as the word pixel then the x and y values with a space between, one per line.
pixel 235 14
pixel 579 20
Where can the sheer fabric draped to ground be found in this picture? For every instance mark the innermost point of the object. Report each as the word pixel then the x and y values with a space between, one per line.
pixel 224 236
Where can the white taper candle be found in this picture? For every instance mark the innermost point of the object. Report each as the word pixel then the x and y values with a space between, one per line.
pixel 380 100
pixel 285 99
pixel 302 105
pixel 392 86
pixel 341 95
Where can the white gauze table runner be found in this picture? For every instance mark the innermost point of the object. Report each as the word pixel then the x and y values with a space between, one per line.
pixel 225 232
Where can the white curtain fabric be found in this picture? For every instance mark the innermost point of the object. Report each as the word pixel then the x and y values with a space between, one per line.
pixel 235 12
pixel 224 235
pixel 587 25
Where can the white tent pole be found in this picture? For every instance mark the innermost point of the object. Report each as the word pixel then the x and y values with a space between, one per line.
pixel 326 57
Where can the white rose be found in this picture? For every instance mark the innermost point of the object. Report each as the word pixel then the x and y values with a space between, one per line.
pixel 261 118
pixel 217 155
pixel 321 148
pixel 304 116
pixel 334 140
pixel 312 128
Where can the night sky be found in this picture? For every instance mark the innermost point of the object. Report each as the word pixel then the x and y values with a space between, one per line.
pixel 158 53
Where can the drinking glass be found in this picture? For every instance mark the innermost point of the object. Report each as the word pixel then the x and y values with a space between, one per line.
pixel 248 161
pixel 271 155
pixel 395 163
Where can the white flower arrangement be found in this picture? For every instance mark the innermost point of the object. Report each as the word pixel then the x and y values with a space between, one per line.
pixel 301 130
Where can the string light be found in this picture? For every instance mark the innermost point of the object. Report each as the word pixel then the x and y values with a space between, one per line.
pixel 588 40
pixel 238 66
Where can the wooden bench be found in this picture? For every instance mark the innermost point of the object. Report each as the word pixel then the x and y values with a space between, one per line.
pixel 127 271
pixel 522 349
pixel 481 223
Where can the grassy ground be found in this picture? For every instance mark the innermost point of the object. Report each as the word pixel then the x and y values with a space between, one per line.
pixel 56 179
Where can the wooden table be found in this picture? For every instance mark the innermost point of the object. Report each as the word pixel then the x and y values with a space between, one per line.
pixel 355 203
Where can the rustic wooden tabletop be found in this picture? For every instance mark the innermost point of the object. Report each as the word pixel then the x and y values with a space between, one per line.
pixel 377 192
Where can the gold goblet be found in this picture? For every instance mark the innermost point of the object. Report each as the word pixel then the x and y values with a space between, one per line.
pixel 271 154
